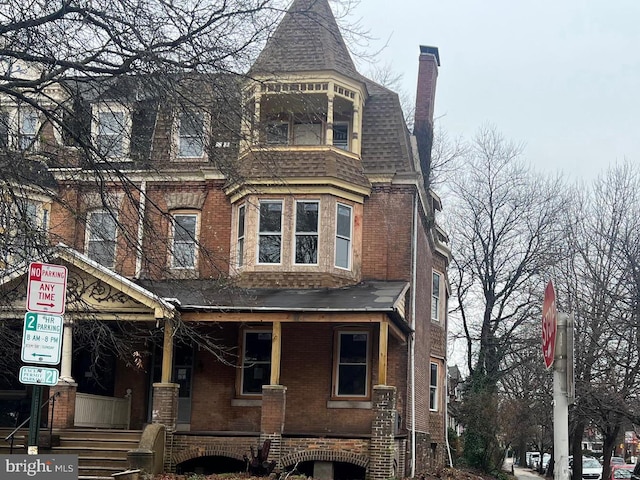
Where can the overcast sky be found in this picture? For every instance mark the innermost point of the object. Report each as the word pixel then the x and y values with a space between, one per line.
pixel 563 77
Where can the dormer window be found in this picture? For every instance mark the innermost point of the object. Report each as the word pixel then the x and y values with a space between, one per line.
pixel 111 129
pixel 27 128
pixel 4 130
pixel 191 131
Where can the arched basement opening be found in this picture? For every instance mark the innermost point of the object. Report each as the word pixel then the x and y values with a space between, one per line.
pixel 211 464
pixel 331 470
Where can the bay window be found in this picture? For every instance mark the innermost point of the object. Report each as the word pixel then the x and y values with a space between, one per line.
pixel 270 232
pixel 306 242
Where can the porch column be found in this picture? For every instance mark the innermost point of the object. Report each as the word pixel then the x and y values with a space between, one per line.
pixel 257 126
pixel 274 400
pixel 330 98
pixel 62 410
pixel 165 393
pixel 67 352
pixel 276 350
pixel 382 449
pixel 357 124
pixel 383 348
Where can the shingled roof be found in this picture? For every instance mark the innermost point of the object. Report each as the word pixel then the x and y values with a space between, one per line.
pixel 307 39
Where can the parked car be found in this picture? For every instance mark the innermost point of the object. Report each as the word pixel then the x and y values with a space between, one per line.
pixel 621 472
pixel 617 461
pixel 591 468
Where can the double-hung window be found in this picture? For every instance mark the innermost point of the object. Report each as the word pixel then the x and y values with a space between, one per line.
pixel 352 364
pixel 191 135
pixel 343 236
pixel 307 232
pixel 27 128
pixel 111 133
pixel 435 297
pixel 101 237
pixel 433 387
pixel 256 361
pixel 242 211
pixel 270 232
pixel 184 240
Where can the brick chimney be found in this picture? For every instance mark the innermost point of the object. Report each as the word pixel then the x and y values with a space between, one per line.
pixel 427 75
pixel 425 100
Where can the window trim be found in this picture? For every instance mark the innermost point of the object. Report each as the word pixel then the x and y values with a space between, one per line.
pixel 241 242
pixel 88 235
pixel 349 239
pixel 97 109
pixel 434 390
pixel 436 301
pixel 172 239
pixel 279 233
pixel 203 135
pixel 21 113
pixel 241 361
pixel 296 234
pixel 335 395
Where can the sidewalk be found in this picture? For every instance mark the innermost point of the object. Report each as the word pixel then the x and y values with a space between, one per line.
pixel 521 473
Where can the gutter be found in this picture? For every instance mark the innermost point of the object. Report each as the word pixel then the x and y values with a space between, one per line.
pixel 412 338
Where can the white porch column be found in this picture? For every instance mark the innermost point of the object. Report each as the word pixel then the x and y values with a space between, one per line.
pixel 330 98
pixel 67 352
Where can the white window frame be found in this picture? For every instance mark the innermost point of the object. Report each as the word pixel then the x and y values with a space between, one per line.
pixel 436 300
pixel 244 364
pixel 434 389
pixel 300 234
pixel 90 239
pixel 347 145
pixel 112 108
pixel 241 232
pixel 191 240
pixel 266 233
pixel 180 135
pixel 338 363
pixel 339 237
pixel 27 140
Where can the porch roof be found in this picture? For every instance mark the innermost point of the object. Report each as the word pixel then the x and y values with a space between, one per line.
pixel 208 296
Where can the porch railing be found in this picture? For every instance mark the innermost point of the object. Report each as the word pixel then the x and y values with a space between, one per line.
pixel 98 411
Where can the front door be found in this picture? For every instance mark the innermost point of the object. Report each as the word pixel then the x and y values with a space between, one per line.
pixel 182 374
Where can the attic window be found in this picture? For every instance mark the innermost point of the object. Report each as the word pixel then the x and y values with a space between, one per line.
pixel 191 135
pixel 278 133
pixel 111 128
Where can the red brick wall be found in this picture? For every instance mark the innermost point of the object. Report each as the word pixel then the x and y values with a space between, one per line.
pixel 306 372
pixel 386 239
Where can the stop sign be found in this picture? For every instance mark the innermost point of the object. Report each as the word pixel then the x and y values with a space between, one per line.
pixel 549 325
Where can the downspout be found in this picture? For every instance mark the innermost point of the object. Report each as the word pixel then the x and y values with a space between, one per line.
pixel 412 347
pixel 141 209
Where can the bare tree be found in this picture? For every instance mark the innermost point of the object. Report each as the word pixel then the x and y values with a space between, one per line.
pixel 507 228
pixel 599 284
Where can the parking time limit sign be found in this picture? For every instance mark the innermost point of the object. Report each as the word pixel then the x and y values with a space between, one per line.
pixel 47 288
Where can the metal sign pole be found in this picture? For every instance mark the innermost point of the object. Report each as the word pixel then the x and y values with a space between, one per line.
pixel 34 423
pixel 560 403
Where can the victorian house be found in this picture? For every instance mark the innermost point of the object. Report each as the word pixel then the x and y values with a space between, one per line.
pixel 270 245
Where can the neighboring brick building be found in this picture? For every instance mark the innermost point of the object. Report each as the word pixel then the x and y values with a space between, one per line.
pixel 292 222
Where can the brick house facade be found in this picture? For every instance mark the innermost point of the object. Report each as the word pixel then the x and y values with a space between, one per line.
pixel 303 239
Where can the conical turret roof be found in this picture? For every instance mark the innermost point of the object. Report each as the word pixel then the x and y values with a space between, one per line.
pixel 307 39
